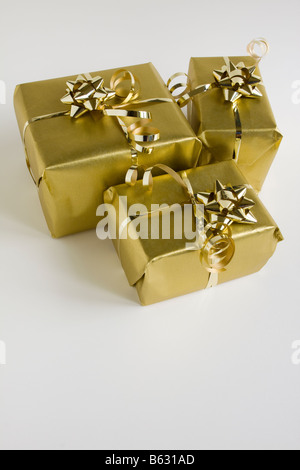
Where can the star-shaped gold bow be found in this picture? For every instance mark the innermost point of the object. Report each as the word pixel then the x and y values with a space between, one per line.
pixel 227 204
pixel 86 94
pixel 237 81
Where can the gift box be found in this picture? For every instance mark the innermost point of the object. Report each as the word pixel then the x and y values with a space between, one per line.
pixel 238 235
pixel 231 114
pixel 74 153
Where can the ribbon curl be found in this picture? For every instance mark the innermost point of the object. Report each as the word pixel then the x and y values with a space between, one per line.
pixel 222 207
pixel 88 94
pixel 236 82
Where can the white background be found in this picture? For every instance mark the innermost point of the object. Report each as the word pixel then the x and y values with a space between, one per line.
pixel 87 367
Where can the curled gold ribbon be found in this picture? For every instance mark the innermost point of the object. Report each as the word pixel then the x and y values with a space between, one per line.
pixel 217 251
pixel 88 94
pixel 222 207
pixel 236 81
pixel 262 44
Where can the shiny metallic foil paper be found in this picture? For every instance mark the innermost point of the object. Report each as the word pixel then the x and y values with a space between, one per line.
pixel 74 161
pixel 162 269
pixel 213 121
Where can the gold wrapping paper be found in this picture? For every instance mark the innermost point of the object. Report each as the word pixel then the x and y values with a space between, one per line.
pixel 163 269
pixel 75 160
pixel 213 121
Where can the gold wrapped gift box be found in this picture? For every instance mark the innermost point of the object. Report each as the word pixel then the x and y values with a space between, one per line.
pixel 73 161
pixel 213 121
pixel 161 269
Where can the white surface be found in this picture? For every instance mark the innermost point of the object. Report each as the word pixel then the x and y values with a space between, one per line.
pixel 87 367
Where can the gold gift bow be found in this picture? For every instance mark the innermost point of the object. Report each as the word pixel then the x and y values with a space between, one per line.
pixel 88 94
pixel 222 207
pixel 236 81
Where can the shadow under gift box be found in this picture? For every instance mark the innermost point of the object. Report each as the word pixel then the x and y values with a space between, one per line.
pixel 213 121
pixel 163 269
pixel 74 161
